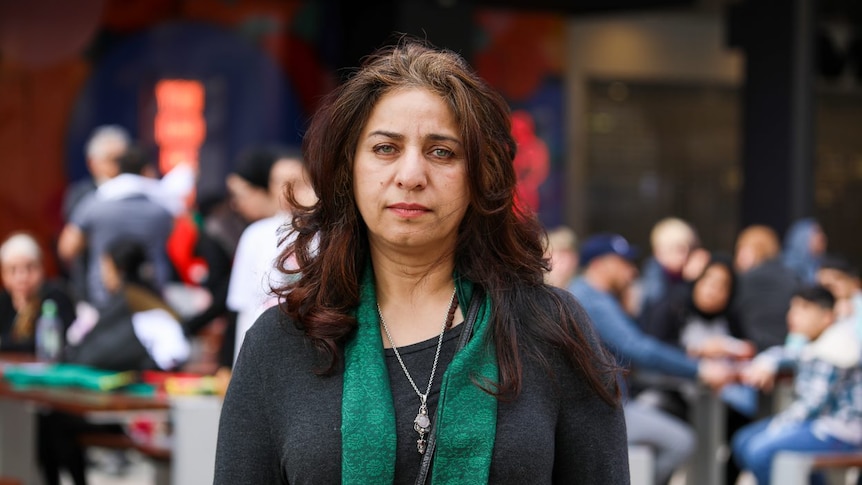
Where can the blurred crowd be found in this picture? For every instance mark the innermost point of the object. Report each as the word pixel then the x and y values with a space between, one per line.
pixel 154 276
pixel 691 318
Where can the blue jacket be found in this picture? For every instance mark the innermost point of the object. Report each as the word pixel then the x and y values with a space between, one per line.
pixel 622 336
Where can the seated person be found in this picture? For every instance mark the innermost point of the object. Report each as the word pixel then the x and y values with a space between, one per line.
pixel 826 412
pixel 673 240
pixel 136 330
pixel 842 279
pixel 608 270
pixel 696 318
pixel 24 291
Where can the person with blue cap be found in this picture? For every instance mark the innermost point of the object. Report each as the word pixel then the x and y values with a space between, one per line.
pixel 609 269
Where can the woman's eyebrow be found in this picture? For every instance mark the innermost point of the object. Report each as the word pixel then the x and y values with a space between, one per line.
pixel 399 136
pixel 387 134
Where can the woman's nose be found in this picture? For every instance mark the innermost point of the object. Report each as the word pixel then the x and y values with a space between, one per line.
pixel 412 170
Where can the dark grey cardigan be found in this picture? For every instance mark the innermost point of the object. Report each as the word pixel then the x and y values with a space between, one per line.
pixel 281 422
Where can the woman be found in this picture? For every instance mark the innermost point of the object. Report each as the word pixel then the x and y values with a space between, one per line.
pixel 695 317
pixel 24 292
pixel 805 244
pixel 355 377
pixel 136 329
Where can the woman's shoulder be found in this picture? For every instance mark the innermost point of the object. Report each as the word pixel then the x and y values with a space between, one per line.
pixel 558 301
pixel 279 350
pixel 551 306
pixel 274 330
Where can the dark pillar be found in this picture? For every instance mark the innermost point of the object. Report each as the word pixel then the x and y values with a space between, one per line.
pixel 777 37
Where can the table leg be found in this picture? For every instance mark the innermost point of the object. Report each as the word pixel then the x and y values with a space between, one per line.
pixel 195 431
pixel 709 422
pixel 18 441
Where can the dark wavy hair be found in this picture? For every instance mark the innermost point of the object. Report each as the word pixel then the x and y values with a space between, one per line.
pixel 499 246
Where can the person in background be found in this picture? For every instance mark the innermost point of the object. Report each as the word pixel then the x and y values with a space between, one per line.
pixel 608 263
pixel 804 244
pixel 104 148
pixel 696 316
pixel 416 332
pixel 764 288
pixel 217 230
pixel 135 331
pixel 121 208
pixel 672 240
pixel 248 185
pixel 826 411
pixel 250 197
pixel 562 254
pixel 841 278
pixel 254 274
pixel 25 289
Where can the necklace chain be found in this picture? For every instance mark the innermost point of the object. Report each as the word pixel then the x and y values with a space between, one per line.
pixel 422 397
pixel 422 423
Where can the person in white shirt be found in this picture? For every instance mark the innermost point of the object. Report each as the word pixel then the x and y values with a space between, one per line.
pixel 253 276
pixel 842 279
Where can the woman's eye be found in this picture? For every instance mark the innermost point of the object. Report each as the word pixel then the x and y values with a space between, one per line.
pixel 441 153
pixel 384 149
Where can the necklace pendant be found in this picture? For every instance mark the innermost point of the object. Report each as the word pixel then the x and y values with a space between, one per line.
pixel 420 445
pixel 422 423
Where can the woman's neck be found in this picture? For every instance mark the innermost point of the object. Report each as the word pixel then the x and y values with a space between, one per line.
pixel 413 298
pixel 408 280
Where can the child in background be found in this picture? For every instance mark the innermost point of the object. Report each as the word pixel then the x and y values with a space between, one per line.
pixel 826 412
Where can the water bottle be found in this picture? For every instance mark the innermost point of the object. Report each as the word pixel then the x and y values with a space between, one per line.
pixel 49 333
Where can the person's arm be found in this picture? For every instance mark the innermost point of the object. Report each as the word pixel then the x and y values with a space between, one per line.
pixel 246 452
pixel 71 243
pixel 73 238
pixel 623 337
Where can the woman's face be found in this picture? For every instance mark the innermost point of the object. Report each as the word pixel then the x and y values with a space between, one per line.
pixel 712 291
pixel 410 174
pixel 22 275
pixel 250 201
pixel 818 242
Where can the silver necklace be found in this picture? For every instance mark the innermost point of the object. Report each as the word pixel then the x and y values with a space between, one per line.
pixel 422 423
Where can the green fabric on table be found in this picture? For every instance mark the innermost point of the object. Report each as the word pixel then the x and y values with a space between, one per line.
pixel 67 375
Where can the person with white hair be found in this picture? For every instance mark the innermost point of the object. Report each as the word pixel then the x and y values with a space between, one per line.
pixel 106 144
pixel 673 240
pixel 24 291
pixel 104 147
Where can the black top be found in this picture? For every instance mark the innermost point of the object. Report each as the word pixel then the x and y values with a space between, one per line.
pixel 762 301
pixel 49 291
pixel 281 422
pixel 419 359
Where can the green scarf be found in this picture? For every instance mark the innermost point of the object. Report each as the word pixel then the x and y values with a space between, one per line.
pixel 466 416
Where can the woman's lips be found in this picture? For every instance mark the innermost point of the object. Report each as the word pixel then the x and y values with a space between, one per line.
pixel 408 210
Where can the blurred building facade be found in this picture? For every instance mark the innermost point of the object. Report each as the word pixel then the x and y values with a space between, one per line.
pixel 627 110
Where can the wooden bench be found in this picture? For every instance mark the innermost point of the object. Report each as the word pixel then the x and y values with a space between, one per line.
pixel 793 468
